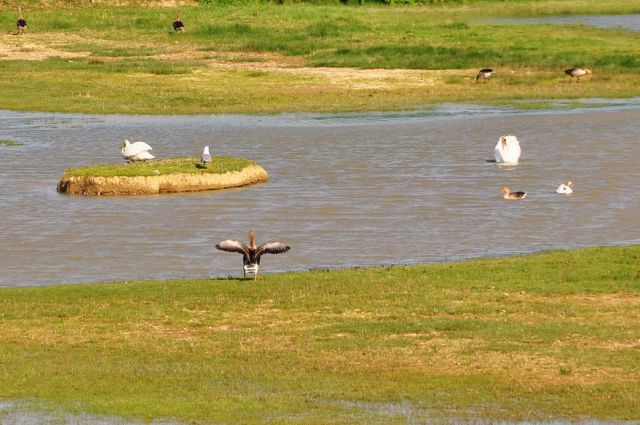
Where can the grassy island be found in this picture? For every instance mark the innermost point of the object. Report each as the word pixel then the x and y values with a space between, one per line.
pixel 541 337
pixel 182 174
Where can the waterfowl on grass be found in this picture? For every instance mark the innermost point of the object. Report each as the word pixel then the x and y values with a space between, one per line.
pixel 507 150
pixel 577 72
pixel 251 254
pixel 21 23
pixel 565 188
pixel 512 195
pixel 178 25
pixel 484 74
pixel 138 151
pixel 206 156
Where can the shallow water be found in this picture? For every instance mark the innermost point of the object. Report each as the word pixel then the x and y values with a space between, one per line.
pixel 628 22
pixel 345 190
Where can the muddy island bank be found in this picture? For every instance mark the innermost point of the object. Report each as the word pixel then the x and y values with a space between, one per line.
pixel 161 176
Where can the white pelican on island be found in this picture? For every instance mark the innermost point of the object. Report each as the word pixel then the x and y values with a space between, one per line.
pixel 512 195
pixel 565 188
pixel 138 151
pixel 251 254
pixel 507 151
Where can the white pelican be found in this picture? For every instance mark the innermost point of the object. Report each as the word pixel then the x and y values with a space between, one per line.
pixel 565 188
pixel 206 156
pixel 484 74
pixel 512 195
pixel 251 254
pixel 138 151
pixel 178 25
pixel 577 72
pixel 21 23
pixel 507 150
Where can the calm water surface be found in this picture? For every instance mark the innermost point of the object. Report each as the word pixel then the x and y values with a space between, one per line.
pixel 344 191
pixel 627 22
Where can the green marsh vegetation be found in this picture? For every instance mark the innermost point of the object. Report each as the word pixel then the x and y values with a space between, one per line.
pixel 547 336
pixel 267 58
pixel 10 143
pixel 158 167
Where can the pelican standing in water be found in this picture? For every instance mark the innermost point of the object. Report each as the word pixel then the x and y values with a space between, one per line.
pixel 507 150
pixel 512 195
pixel 21 23
pixel 206 156
pixel 251 254
pixel 565 188
pixel 577 72
pixel 138 151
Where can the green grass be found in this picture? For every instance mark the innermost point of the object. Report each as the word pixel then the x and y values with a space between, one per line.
pixel 136 64
pixel 548 336
pixel 10 143
pixel 185 165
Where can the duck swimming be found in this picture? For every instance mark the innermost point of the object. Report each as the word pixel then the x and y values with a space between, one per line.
pixel 565 188
pixel 512 195
pixel 138 151
pixel 251 254
pixel 507 150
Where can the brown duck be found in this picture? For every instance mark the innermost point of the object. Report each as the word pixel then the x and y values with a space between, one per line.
pixel 251 254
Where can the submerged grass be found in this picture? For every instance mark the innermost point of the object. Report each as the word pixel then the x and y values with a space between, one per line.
pixel 131 62
pixel 184 165
pixel 548 336
pixel 10 143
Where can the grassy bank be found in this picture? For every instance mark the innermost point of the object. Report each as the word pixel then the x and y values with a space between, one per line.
pixel 296 58
pixel 544 336
pixel 184 165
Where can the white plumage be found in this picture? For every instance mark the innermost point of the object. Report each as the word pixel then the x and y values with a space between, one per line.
pixel 137 151
pixel 206 156
pixel 565 188
pixel 507 150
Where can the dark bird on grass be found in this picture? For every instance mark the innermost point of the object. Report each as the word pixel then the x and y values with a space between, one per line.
pixel 577 72
pixel 206 156
pixel 21 23
pixel 251 254
pixel 512 195
pixel 484 74
pixel 178 25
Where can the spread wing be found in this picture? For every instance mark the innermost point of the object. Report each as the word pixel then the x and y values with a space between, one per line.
pixel 233 246
pixel 272 248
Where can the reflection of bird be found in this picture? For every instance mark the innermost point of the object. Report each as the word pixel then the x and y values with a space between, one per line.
pixel 138 151
pixel 512 195
pixel 577 72
pixel 178 25
pixel 21 23
pixel 206 156
pixel 507 150
pixel 565 188
pixel 484 74
pixel 251 254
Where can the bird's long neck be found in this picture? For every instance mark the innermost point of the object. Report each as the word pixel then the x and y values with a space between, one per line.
pixel 177 15
pixel 252 243
pixel 20 13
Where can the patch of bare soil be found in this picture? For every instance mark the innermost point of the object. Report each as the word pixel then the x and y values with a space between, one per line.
pixel 37 46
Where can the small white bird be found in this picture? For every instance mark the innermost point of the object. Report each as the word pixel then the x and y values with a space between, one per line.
pixel 138 151
pixel 206 156
pixel 565 188
pixel 507 151
pixel 251 254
